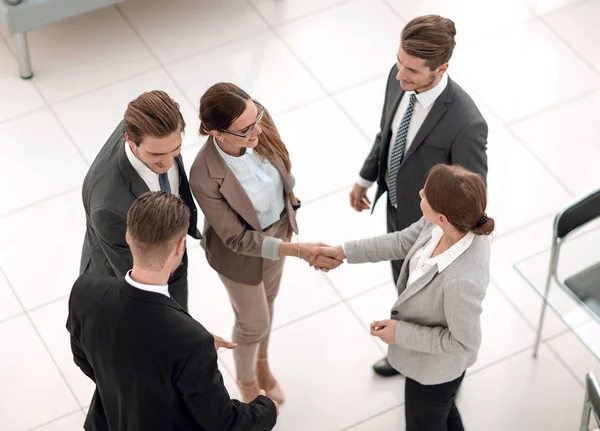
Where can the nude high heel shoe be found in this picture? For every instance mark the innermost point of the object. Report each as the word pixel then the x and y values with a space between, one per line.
pixel 267 381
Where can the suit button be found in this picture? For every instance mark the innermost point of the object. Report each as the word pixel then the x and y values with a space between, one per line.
pixel 394 312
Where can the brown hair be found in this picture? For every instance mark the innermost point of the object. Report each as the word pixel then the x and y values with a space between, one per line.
pixel 153 114
pixel 430 37
pixel 223 103
pixel 461 196
pixel 156 222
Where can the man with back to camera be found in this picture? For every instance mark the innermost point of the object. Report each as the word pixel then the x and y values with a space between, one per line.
pixel 154 366
pixel 427 119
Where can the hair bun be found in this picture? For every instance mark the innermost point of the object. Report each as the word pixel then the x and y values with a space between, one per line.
pixel 482 220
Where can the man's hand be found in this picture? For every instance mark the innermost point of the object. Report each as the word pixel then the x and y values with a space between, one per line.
pixel 220 342
pixel 359 199
pixel 385 330
pixel 263 393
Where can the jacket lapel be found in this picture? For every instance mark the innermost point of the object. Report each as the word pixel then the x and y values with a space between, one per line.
pixel 419 284
pixel 230 188
pixel 186 195
pixel 438 110
pixel 137 186
pixel 386 133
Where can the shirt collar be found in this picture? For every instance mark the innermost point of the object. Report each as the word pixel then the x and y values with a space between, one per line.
pixel 232 160
pixel 444 259
pixel 137 164
pixel 164 290
pixel 427 98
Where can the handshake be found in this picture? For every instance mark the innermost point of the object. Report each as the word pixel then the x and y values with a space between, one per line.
pixel 321 256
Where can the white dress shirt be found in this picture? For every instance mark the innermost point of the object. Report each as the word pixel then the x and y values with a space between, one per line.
pixel 151 178
pixel 261 182
pixel 421 261
pixel 423 105
pixel 163 290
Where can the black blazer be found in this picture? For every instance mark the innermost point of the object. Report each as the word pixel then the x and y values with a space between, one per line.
pixel 154 366
pixel 453 132
pixel 109 189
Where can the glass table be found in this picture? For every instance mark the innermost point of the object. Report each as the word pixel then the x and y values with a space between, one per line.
pixel 577 253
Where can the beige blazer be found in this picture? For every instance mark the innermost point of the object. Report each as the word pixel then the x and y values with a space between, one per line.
pixel 232 237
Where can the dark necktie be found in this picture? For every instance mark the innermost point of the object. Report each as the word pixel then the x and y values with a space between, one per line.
pixel 398 151
pixel 163 180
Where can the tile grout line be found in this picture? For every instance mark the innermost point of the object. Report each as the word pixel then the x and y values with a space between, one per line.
pixel 41 201
pixel 560 8
pixel 300 17
pixel 55 420
pixel 349 428
pixel 52 358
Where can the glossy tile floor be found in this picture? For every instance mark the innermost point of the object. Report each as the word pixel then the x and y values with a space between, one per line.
pixel 320 66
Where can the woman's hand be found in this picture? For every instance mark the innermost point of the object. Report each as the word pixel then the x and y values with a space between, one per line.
pixel 310 252
pixel 385 330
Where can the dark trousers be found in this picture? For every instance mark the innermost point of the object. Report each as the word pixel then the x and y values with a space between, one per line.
pixel 178 285
pixel 392 226
pixel 432 407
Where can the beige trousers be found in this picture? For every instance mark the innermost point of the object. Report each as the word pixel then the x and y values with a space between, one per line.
pixel 253 308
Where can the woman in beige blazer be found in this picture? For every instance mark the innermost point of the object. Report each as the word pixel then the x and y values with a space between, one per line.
pixel 434 330
pixel 242 181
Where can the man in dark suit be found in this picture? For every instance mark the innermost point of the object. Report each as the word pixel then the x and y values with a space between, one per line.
pixel 154 366
pixel 142 154
pixel 427 119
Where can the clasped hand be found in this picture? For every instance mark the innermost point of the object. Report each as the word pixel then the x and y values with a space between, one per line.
pixel 321 256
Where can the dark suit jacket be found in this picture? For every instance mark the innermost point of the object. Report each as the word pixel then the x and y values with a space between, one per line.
pixel 154 366
pixel 453 132
pixel 109 189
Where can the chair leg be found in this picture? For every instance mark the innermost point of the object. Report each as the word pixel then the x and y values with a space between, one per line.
pixel 538 335
pixel 585 416
pixel 551 272
pixel 23 55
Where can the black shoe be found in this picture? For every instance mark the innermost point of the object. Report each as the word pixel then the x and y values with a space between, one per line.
pixel 383 368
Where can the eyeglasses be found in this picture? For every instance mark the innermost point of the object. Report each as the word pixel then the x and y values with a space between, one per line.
pixel 250 128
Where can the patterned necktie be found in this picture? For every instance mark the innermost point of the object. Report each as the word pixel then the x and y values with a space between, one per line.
pixel 398 151
pixel 163 180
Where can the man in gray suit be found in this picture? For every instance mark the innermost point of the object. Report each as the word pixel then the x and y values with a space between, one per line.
pixel 426 119
pixel 141 155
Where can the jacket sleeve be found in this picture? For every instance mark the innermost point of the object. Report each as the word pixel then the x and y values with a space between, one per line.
pixel 462 307
pixel 392 246
pixel 79 356
pixel 469 148
pixel 201 385
pixel 370 168
pixel 110 227
pixel 228 226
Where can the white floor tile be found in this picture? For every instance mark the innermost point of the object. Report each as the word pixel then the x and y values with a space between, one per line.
pixel 528 185
pixel 18 96
pixel 50 234
pixel 188 26
pixel 44 160
pixel 326 149
pixel 91 118
pixel 38 393
pixel 571 126
pixel 9 305
pixel 346 44
pixel 73 422
pixel 86 52
pixel 364 104
pixel 577 25
pixel 534 60
pixel 467 14
pixel 261 65
pixel 521 394
pixel 391 420
pixel 580 352
pixel 50 322
pixel 548 6
pixel 331 220
pixel 373 305
pixel 313 360
pixel 278 11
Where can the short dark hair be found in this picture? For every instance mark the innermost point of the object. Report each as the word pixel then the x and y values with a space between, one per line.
pixel 461 196
pixel 431 38
pixel 153 113
pixel 156 222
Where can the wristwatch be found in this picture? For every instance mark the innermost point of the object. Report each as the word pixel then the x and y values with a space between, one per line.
pixel 298 205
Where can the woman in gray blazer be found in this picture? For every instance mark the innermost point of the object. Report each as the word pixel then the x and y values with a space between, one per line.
pixel 434 330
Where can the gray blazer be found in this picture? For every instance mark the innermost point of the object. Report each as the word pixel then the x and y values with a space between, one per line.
pixel 453 132
pixel 109 189
pixel 439 325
